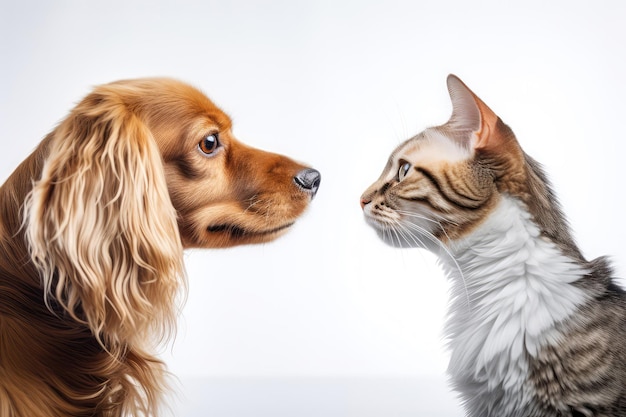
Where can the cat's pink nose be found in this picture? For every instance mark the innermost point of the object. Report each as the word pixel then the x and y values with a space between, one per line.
pixel 365 202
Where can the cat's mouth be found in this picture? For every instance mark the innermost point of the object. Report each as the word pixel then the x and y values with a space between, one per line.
pixel 401 229
pixel 388 232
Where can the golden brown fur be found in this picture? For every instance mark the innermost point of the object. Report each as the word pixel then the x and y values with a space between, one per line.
pixel 92 228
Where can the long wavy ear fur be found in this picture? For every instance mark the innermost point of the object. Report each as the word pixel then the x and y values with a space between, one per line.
pixel 101 227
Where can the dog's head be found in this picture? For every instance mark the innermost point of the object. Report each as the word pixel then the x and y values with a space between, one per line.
pixel 225 193
pixel 137 171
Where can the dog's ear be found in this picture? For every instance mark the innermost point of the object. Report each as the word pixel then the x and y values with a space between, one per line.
pixel 101 227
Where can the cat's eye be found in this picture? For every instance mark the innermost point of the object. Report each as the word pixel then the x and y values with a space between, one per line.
pixel 404 170
pixel 209 144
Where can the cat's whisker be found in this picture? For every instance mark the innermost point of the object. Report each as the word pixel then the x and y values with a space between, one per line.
pixel 439 243
pixel 438 223
pixel 388 233
pixel 409 237
pixel 418 216
pixel 435 215
pixel 397 233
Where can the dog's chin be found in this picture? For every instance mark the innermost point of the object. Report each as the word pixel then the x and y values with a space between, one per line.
pixel 227 235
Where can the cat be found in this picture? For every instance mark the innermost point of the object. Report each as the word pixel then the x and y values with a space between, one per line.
pixel 534 329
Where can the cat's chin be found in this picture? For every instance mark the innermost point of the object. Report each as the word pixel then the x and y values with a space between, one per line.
pixel 400 238
pixel 397 240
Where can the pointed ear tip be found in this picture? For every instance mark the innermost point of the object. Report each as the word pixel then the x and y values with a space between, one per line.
pixel 453 79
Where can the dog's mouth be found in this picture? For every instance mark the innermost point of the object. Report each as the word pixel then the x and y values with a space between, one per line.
pixel 237 232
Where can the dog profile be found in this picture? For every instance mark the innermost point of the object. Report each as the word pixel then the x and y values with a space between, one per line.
pixel 92 230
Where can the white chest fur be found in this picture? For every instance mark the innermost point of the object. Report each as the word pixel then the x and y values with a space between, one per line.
pixel 510 288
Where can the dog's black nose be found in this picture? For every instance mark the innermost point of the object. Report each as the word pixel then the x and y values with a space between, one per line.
pixel 309 179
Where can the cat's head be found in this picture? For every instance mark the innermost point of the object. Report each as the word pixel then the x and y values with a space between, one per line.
pixel 442 183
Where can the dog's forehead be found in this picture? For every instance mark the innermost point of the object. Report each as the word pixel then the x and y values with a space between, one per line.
pixel 203 107
pixel 217 116
pixel 181 102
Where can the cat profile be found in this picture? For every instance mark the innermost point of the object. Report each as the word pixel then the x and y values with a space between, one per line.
pixel 534 329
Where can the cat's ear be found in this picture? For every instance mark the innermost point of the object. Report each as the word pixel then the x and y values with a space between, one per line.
pixel 470 114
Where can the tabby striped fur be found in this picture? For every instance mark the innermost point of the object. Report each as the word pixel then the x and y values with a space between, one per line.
pixel 534 329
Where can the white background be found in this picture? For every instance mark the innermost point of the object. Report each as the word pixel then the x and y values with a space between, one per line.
pixel 329 321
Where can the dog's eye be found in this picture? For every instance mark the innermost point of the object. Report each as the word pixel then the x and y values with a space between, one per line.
pixel 209 144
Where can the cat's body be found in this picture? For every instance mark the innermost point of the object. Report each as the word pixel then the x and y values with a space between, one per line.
pixel 534 329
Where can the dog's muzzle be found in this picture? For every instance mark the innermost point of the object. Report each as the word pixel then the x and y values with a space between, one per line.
pixel 309 180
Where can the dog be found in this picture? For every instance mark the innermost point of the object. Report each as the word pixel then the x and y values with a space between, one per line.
pixel 92 230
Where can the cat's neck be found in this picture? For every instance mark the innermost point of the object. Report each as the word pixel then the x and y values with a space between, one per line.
pixel 511 288
pixel 506 264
